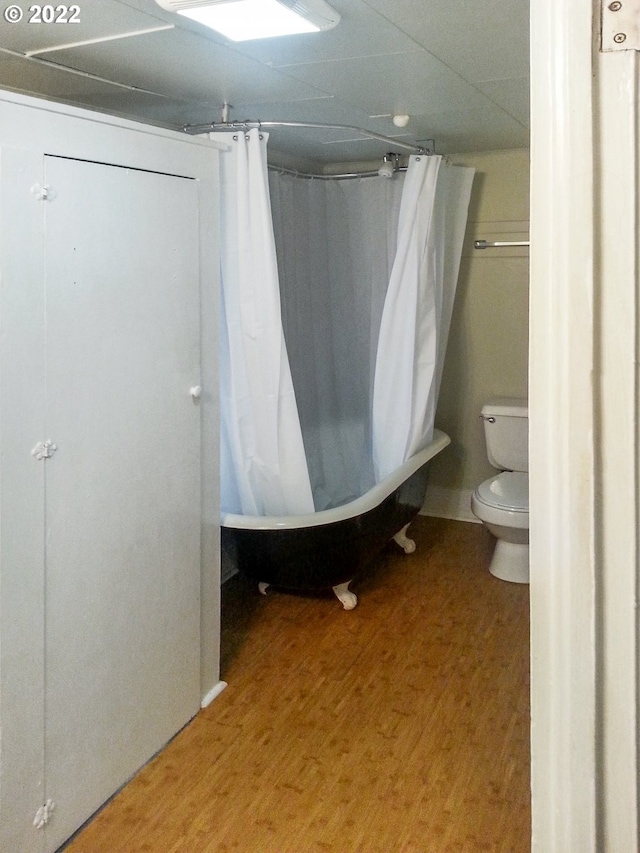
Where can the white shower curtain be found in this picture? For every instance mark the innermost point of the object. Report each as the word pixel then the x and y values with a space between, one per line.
pixel 263 463
pixel 417 310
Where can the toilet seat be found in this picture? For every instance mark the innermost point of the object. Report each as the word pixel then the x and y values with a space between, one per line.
pixel 503 500
pixel 507 491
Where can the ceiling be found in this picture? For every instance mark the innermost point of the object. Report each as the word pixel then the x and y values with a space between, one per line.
pixel 458 68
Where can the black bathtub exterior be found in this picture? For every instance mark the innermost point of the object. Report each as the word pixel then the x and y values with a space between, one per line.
pixel 323 556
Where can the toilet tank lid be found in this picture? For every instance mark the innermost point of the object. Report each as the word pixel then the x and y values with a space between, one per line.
pixel 513 407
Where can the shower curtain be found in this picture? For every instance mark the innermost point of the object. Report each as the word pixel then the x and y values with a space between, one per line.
pixel 263 463
pixel 336 242
pixel 339 272
pixel 358 277
pixel 417 310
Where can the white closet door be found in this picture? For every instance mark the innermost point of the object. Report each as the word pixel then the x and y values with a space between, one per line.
pixel 122 632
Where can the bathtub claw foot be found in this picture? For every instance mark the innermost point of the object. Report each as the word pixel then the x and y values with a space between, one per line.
pixel 349 599
pixel 401 538
pixel 264 588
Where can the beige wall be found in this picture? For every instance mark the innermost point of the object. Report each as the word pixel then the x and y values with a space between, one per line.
pixel 488 342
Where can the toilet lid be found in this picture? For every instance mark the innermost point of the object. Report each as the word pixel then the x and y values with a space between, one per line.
pixel 509 490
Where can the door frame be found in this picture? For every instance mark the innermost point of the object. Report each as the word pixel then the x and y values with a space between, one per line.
pixel 583 434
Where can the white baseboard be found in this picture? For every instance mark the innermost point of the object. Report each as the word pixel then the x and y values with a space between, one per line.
pixel 216 690
pixel 448 503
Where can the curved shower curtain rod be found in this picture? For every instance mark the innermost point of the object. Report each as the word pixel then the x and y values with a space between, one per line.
pixel 212 127
pixel 341 176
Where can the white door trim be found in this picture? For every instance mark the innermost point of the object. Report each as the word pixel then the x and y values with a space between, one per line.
pixel 618 458
pixel 561 407
pixel 583 435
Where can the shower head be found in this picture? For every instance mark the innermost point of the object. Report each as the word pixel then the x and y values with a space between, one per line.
pixel 390 165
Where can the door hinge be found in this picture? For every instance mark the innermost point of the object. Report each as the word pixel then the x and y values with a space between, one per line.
pixel 42 192
pixel 620 25
pixel 44 450
pixel 43 815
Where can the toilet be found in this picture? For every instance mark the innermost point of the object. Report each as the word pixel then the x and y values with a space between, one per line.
pixel 502 502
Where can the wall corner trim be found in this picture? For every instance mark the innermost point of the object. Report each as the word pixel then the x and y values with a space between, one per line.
pixel 215 691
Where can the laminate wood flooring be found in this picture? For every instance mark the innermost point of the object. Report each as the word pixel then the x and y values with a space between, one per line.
pixel 401 726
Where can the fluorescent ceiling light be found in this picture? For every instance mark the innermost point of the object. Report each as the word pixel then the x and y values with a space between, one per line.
pixel 242 20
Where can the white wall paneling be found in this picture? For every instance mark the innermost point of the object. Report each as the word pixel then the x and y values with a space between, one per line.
pixel 109 567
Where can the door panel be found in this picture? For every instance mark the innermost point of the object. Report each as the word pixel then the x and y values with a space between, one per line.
pixel 123 484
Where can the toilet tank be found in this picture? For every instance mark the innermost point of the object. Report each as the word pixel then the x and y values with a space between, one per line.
pixel 506 430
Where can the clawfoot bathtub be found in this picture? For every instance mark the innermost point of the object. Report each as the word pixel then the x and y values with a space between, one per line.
pixel 331 548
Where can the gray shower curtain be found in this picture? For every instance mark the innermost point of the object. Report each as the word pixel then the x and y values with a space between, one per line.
pixel 336 245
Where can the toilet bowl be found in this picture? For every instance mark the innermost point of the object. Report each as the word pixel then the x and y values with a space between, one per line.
pixel 501 503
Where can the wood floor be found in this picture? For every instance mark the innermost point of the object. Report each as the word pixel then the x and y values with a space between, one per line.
pixel 400 727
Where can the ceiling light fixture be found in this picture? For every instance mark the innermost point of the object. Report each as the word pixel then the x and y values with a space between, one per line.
pixel 242 20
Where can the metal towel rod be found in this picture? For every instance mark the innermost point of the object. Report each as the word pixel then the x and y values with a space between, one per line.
pixel 484 244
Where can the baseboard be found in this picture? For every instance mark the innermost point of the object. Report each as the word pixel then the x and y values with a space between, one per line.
pixel 215 691
pixel 448 503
